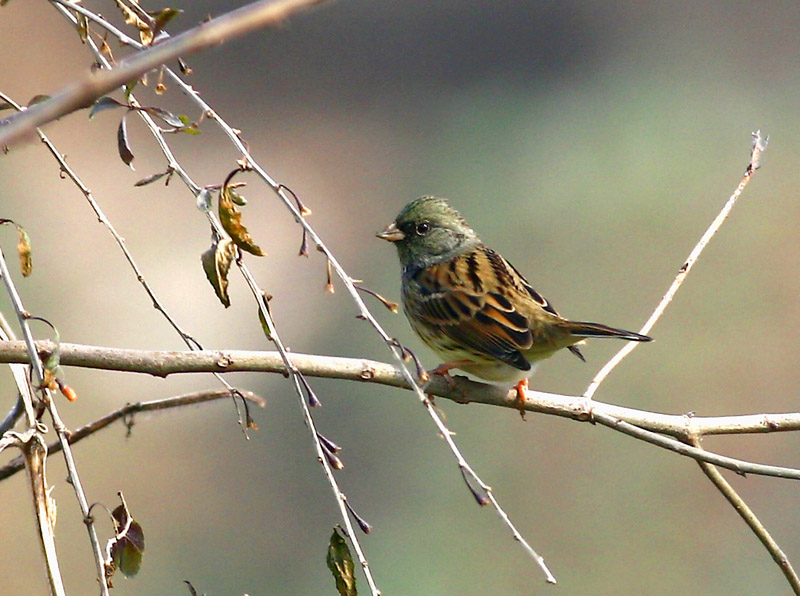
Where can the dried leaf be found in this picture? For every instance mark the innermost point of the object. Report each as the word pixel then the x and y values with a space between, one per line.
pixel 153 178
pixel 329 283
pixel 184 68
pixel 125 153
pixel 216 263
pixel 24 252
pixel 131 18
pixel 164 16
pixel 104 103
pixel 82 24
pixel 37 99
pixel 340 562
pixel 126 548
pixel 231 219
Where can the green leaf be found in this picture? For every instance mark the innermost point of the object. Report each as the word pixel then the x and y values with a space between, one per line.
pixel 104 103
pixel 262 319
pixel 168 117
pixel 231 219
pixel 125 153
pixel 129 86
pixel 237 198
pixel 189 127
pixel 216 263
pixel 340 562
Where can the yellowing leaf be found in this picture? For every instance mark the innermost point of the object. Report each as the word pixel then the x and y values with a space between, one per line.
pixel 24 252
pixel 340 562
pixel 216 263
pixel 231 219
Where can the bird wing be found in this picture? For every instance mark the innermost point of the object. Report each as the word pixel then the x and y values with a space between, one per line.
pixel 480 301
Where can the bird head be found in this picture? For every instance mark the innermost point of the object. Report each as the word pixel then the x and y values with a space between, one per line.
pixel 427 231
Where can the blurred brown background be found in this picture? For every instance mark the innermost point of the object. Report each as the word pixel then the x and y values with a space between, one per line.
pixel 591 143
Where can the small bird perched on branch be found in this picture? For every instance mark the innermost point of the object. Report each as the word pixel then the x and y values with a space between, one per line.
pixel 471 306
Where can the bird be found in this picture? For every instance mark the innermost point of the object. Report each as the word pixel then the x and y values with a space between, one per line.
pixel 472 307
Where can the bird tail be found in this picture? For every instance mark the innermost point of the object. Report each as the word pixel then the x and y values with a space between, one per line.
pixel 583 329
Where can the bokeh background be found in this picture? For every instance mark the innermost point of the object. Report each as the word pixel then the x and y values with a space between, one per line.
pixel 590 142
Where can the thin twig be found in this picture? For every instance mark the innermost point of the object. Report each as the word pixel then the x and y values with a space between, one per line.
pixel 128 410
pixel 38 376
pixel 737 465
pixel 174 166
pixel 258 294
pixel 325 462
pixel 24 401
pixel 94 84
pixel 101 216
pixel 750 519
pixel 281 191
pixel 759 145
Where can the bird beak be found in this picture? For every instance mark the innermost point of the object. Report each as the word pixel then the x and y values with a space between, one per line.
pixel 392 233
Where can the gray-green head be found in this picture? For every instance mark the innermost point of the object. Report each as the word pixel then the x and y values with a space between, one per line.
pixel 427 231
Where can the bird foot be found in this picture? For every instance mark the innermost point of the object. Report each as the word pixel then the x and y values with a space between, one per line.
pixel 521 388
pixel 443 370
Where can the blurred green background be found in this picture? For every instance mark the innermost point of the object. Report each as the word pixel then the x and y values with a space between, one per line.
pixel 591 143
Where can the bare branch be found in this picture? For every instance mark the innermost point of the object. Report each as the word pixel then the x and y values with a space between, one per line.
pixel 649 426
pixel 94 84
pixel 37 369
pixel 758 147
pixel 129 410
pixel 751 520
pixel 35 456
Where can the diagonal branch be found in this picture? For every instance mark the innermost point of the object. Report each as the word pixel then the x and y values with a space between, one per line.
pixel 94 84
pixel 758 147
pixel 751 520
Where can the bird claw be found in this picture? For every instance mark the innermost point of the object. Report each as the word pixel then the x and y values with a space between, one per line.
pixel 443 370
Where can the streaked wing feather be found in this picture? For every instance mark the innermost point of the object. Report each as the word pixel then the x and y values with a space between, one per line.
pixel 465 298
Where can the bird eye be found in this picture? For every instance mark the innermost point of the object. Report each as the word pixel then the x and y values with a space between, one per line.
pixel 422 228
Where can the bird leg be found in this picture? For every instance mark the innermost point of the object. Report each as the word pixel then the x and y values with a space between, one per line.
pixel 521 388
